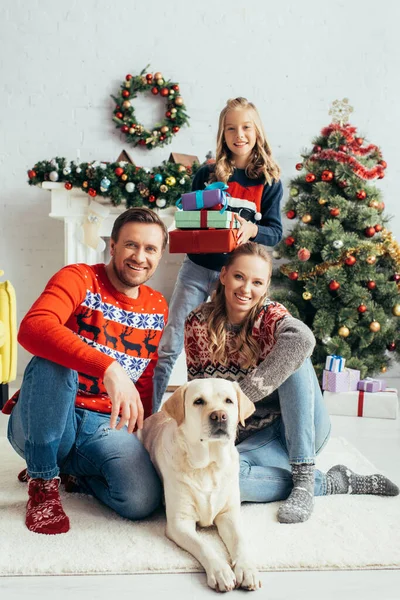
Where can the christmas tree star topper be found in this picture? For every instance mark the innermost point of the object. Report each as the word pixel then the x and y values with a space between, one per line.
pixel 340 110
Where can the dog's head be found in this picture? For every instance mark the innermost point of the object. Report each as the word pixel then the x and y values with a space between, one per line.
pixel 209 409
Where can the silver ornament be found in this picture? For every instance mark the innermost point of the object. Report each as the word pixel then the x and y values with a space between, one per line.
pixel 326 339
pixel 53 176
pixel 130 187
pixel 337 244
pixel 78 170
pixel 161 202
pixel 182 181
pixel 276 254
pixel 66 171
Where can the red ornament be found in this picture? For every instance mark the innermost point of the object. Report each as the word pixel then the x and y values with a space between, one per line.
pixel 362 308
pixel 92 192
pixel 327 175
pixel 361 194
pixel 396 277
pixel 175 87
pixel 291 214
pixel 350 260
pixel 68 185
pixel 310 177
pixel 335 212
pixel 378 227
pixel 119 115
pixel 168 114
pixel 164 92
pixel 149 77
pixel 334 285
pixel 289 241
pixel 118 171
pixel 371 285
pixel 369 232
pixel 31 174
pixel 343 183
pixel 381 176
pixel 343 148
pixel 317 148
pixel 299 166
pixel 124 128
pixel 152 198
pixel 359 141
pixel 383 163
pixel 142 142
pixel 154 91
pixel 303 254
pixel 125 93
pixel 162 138
pixel 293 275
pixel 175 129
pixel 128 77
pixel 391 347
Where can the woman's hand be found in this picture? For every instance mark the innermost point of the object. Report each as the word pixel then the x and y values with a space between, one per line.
pixel 125 398
pixel 247 230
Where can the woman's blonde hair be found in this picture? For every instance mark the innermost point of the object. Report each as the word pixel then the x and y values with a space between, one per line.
pixel 261 161
pixel 217 317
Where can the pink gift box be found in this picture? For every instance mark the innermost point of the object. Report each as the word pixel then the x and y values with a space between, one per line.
pixel 380 405
pixel 371 385
pixel 345 381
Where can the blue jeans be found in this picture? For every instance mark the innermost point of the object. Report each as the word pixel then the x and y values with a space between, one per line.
pixel 53 435
pixel 193 286
pixel 297 436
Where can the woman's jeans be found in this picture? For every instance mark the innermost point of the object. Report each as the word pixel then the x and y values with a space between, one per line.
pixel 193 286
pixel 53 435
pixel 295 437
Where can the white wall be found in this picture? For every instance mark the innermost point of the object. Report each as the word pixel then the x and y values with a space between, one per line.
pixel 60 61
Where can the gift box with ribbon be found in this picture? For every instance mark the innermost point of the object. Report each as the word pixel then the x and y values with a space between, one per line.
pixel 194 219
pixel 202 241
pixel 335 363
pixel 381 405
pixel 212 195
pixel 345 381
pixel 371 385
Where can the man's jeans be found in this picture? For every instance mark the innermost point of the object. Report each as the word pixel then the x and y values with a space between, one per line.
pixel 193 286
pixel 53 435
pixel 296 437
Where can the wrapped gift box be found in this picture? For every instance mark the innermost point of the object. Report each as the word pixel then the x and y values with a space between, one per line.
pixel 212 195
pixel 193 219
pixel 371 385
pixel 345 381
pixel 381 405
pixel 335 363
pixel 202 241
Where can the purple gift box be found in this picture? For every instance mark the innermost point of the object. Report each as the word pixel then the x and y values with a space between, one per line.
pixel 202 199
pixel 345 381
pixel 371 385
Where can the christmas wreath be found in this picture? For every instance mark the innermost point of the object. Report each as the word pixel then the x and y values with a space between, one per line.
pixel 124 113
pixel 120 181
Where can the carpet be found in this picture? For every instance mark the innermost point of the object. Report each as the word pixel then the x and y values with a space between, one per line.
pixel 345 532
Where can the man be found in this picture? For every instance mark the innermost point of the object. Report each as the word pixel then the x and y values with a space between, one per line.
pixel 94 334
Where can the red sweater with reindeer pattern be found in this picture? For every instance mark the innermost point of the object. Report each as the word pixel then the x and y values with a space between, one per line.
pixel 82 322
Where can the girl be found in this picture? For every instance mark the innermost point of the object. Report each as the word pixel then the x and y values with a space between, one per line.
pixel 244 161
pixel 243 336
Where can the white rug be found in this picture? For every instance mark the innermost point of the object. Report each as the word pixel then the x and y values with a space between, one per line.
pixel 345 532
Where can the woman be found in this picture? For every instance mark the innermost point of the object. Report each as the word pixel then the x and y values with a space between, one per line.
pixel 243 336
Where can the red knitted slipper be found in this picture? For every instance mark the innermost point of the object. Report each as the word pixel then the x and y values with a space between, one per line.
pixel 44 512
pixel 23 476
pixel 70 482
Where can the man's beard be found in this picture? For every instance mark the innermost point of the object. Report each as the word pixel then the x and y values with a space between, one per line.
pixel 119 274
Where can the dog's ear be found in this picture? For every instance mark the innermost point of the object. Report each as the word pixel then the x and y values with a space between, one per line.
pixel 246 406
pixel 175 405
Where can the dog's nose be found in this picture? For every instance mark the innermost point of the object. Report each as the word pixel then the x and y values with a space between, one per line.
pixel 218 416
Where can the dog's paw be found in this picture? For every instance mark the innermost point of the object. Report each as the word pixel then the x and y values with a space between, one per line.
pixel 247 576
pixel 220 577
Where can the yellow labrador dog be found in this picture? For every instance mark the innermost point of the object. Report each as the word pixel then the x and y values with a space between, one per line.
pixel 191 442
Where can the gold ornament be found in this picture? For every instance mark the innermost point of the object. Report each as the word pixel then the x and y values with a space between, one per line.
pixel 131 130
pixel 126 104
pixel 163 188
pixel 170 181
pixel 307 295
pixel 181 169
pixel 344 331
pixel 173 110
pixel 396 310
pixel 124 177
pixel 158 75
pixel 85 184
pixel 160 81
pixel 322 201
pixel 178 101
pixel 294 191
pixel 374 204
pixel 340 111
pixel 164 129
pixel 306 218
pixel 375 326
pixel 371 260
pixel 383 369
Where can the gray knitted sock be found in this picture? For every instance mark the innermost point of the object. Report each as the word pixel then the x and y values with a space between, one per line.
pixel 341 480
pixel 299 505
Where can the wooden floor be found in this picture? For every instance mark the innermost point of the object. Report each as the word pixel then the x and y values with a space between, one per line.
pixel 377 439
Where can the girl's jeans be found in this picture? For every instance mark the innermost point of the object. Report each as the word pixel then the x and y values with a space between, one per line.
pixel 296 436
pixel 53 435
pixel 193 286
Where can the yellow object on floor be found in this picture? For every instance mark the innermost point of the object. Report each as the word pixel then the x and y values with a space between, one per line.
pixel 8 332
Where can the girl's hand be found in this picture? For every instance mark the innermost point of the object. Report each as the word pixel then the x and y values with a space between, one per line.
pixel 247 230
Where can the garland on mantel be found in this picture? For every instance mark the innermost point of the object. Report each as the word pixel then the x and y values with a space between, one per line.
pixel 120 181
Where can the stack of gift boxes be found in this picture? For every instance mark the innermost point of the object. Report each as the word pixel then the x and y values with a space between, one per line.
pixel 346 394
pixel 204 222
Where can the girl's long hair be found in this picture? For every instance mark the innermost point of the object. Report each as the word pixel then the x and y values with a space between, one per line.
pixel 261 161
pixel 217 317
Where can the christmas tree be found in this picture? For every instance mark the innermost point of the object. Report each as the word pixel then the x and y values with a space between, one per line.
pixel 342 275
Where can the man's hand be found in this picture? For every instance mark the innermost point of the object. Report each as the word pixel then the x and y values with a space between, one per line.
pixel 124 398
pixel 247 230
